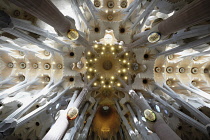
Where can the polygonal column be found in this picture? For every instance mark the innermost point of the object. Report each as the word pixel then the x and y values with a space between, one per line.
pixel 194 13
pixel 46 11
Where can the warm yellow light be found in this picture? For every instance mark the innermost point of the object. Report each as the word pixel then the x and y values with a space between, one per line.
pixel 102 53
pixel 126 77
pixel 118 84
pixel 95 84
pixel 95 70
pixel 109 86
pixel 113 53
pixel 119 71
pixel 124 61
pixel 104 86
pixel 102 82
pixel 103 48
pixel 90 69
pixel 112 48
pixel 124 70
pixel 96 46
pixel 120 47
pixel 95 59
pixel 111 82
pixel 88 76
pixel 101 77
pixel 73 34
pixel 112 77
pixel 126 53
pixel 89 53
pixel 91 60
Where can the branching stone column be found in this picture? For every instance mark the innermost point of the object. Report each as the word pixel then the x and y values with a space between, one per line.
pixel 192 44
pixel 9 26
pixel 78 123
pixel 92 9
pixel 131 8
pixel 8 125
pixel 74 108
pixel 126 123
pixel 10 44
pixel 46 11
pixel 140 126
pixel 194 111
pixel 76 7
pixel 41 109
pixel 154 120
pixel 194 13
pixel 49 13
pixel 70 113
pixel 83 135
pixel 13 90
pixel 196 91
pixel 163 131
pixel 9 79
pixel 180 114
pixel 20 24
pixel 145 14
pixel 58 129
pixel 193 32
